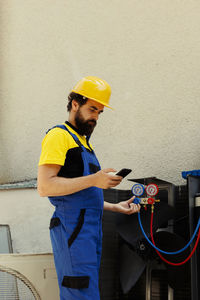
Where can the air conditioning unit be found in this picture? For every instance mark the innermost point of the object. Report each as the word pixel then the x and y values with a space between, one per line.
pixel 28 277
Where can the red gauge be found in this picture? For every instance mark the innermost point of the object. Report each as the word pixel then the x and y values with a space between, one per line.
pixel 152 189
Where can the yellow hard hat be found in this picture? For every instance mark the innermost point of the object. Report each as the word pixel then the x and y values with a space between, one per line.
pixel 94 88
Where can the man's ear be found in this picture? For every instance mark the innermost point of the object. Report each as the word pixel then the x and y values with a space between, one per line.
pixel 75 105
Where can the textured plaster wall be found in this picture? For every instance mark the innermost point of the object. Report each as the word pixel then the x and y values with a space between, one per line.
pixel 28 216
pixel 149 51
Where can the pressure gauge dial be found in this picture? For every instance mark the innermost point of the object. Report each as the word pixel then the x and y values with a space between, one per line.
pixel 138 189
pixel 152 189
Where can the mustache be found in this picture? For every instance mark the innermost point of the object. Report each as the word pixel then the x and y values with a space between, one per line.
pixel 92 121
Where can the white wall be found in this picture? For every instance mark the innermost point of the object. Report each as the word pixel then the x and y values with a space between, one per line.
pixel 28 216
pixel 149 51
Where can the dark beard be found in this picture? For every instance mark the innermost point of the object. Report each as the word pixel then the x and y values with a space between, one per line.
pixel 84 127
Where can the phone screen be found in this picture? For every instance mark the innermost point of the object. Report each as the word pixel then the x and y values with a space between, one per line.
pixel 124 172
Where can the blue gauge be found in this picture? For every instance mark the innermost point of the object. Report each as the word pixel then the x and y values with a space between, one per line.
pixel 138 189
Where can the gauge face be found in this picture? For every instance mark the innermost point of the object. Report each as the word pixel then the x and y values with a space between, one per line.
pixel 138 189
pixel 152 189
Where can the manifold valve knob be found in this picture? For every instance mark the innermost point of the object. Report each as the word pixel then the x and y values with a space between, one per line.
pixel 151 201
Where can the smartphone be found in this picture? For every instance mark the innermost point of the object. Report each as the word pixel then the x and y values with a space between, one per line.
pixel 123 172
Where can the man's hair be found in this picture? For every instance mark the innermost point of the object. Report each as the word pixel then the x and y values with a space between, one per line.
pixel 81 100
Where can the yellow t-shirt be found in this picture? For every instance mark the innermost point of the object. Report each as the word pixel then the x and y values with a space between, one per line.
pixel 57 143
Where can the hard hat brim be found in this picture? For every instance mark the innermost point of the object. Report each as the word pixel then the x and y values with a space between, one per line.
pixel 99 101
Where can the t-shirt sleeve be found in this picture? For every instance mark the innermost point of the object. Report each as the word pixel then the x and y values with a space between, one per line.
pixel 54 147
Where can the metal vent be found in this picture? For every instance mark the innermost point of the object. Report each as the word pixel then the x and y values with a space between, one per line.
pixel 15 286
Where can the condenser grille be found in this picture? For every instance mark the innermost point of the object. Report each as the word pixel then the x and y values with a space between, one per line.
pixel 159 285
pixel 15 286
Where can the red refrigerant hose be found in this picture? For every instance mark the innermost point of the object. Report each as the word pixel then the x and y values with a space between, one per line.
pixel 165 260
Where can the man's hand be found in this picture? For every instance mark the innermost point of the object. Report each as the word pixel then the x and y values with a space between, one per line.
pixel 104 180
pixel 127 207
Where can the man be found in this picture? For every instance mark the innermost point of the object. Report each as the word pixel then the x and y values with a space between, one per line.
pixel 70 175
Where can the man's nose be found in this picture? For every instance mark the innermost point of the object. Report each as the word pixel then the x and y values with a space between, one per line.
pixel 96 116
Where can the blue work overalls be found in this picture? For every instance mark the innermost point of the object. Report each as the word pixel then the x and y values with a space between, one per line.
pixel 76 236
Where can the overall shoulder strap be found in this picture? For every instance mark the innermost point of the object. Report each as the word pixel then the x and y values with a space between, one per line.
pixel 72 134
pixel 87 140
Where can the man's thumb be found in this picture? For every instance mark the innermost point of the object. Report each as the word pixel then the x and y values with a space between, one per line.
pixel 130 200
pixel 108 170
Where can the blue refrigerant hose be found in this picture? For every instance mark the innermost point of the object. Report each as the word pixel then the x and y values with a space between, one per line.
pixel 165 252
